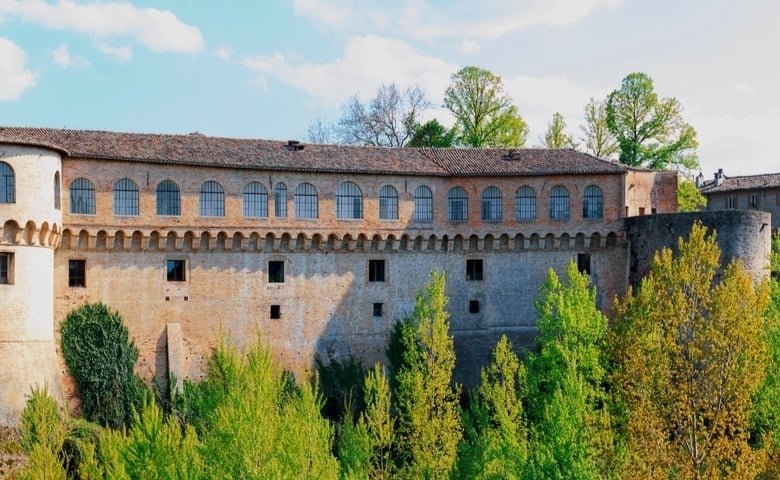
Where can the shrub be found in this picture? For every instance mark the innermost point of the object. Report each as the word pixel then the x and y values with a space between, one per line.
pixel 101 358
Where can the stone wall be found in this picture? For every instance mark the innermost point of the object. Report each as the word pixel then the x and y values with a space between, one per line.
pixel 741 234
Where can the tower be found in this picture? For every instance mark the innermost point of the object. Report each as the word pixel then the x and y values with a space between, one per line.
pixel 30 222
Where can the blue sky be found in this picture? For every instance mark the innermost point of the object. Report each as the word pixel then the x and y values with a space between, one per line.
pixel 268 69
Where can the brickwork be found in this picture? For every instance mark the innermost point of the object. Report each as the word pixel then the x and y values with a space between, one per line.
pixel 327 303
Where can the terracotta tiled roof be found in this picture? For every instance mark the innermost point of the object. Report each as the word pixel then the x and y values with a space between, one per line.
pixel 200 150
pixel 731 184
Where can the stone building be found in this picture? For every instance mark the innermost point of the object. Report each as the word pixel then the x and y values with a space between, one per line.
pixel 750 192
pixel 319 248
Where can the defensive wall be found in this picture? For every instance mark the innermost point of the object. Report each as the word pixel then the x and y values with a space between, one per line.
pixel 348 271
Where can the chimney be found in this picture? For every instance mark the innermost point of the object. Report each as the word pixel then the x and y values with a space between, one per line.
pixel 699 180
pixel 294 145
pixel 718 177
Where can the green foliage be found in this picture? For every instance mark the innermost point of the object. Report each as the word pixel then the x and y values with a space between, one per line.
pixel 650 130
pixel 689 198
pixel 43 434
pixel 378 424
pixel 598 139
pixel 765 418
pixel 556 136
pixel 341 385
pixel 259 428
pixel 429 426
pixel 690 359
pixel 495 435
pixel 432 134
pixel 155 448
pixel 101 358
pixel 567 401
pixel 484 114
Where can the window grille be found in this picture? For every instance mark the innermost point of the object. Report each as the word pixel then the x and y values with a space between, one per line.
pixel 7 184
pixel 255 201
pixel 458 205
pixel 525 204
pixel 423 204
pixel 82 197
pixel 593 203
pixel 168 199
pixel 212 200
pixel 280 200
pixel 559 203
pixel 349 201
pixel 125 197
pixel 305 200
pixel 491 204
pixel 388 203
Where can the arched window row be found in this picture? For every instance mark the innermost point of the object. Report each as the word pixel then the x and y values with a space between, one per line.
pixel 305 197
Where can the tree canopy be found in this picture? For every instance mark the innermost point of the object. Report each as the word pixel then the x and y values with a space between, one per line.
pixel 483 111
pixel 556 136
pixel 650 130
pixel 597 137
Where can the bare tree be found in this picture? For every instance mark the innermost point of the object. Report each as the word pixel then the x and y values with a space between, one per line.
pixel 597 137
pixel 321 131
pixel 387 120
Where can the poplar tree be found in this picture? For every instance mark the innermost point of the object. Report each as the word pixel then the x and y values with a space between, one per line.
pixel 429 426
pixel 495 441
pixel 690 358
pixel 567 403
pixel 556 136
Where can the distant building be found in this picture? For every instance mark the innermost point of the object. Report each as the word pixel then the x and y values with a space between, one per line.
pixel 319 248
pixel 752 192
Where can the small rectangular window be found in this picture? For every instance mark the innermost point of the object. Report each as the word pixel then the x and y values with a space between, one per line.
pixel 730 204
pixel 276 312
pixel 275 271
pixel 77 273
pixel 754 200
pixel 474 270
pixel 641 210
pixel 473 306
pixel 378 310
pixel 376 270
pixel 176 271
pixel 583 263
pixel 6 268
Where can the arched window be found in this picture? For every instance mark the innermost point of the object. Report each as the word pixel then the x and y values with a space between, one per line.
pixel 349 201
pixel 388 203
pixel 168 199
pixel 280 200
pixel 255 201
pixel 559 202
pixel 82 197
pixel 57 193
pixel 525 204
pixel 423 204
pixel 593 203
pixel 491 204
pixel 125 197
pixel 7 184
pixel 458 205
pixel 212 200
pixel 305 201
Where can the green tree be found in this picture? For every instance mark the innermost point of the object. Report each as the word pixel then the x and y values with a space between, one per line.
pixel 556 136
pixel 597 137
pixel 689 198
pixel 689 360
pixel 43 433
pixel 484 114
pixel 650 131
pixel 432 134
pixel 100 357
pixel 429 427
pixel 260 426
pixel 571 436
pixel 495 443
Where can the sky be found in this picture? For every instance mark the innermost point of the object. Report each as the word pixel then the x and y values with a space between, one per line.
pixel 269 69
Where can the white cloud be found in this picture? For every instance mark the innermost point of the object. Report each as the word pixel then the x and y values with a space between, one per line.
pixel 157 30
pixel 14 76
pixel 366 62
pixel 120 54
pixel 745 88
pixel 224 53
pixel 465 19
pixel 63 58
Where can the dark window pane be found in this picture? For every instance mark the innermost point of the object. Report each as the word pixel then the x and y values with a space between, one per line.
pixel 275 272
pixel 175 270
pixel 77 273
pixel 474 270
pixel 376 270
